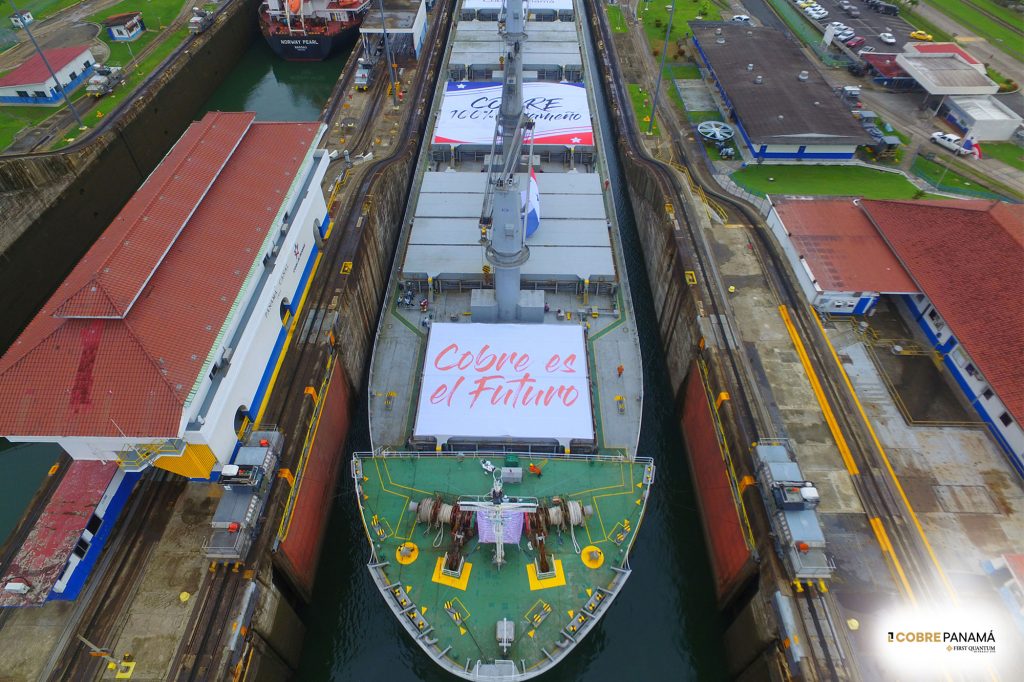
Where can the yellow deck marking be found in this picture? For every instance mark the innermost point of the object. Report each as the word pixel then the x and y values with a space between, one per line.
pixel 591 562
pixel 622 481
pixel 888 464
pixel 558 580
pixel 404 487
pixel 826 409
pixel 384 488
pixel 458 583
pixel 413 555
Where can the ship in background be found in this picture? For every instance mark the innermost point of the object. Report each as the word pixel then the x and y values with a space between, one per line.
pixel 309 30
pixel 505 490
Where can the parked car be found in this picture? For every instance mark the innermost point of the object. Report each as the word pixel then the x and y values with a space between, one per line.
pixel 855 42
pixel 843 36
pixel 921 35
pixel 741 18
pixel 804 4
pixel 818 13
pixel 886 8
pixel 845 4
pixel 853 12
pixel 950 141
pixel 863 50
pixel 838 25
pixel 887 38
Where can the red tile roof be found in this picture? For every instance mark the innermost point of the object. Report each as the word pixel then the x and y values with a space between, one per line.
pixel 120 19
pixel 43 555
pixel 95 363
pixel 842 247
pixel 968 258
pixel 944 48
pixel 33 71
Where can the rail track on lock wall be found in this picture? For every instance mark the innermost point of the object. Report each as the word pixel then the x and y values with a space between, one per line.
pixel 101 610
pixel 200 653
pixel 920 578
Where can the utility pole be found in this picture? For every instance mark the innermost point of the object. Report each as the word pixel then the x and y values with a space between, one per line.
pixel 42 56
pixel 387 55
pixel 664 54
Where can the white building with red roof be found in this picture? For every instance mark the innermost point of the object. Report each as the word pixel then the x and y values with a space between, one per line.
pixel 957 266
pixel 164 341
pixel 32 83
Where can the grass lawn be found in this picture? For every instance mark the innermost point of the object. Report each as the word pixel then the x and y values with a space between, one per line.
pixel 690 72
pixel 144 68
pixel 686 10
pixel 917 21
pixel 949 179
pixel 999 35
pixel 41 9
pixel 699 116
pixel 616 20
pixel 1007 152
pixel 825 180
pixel 642 107
pixel 13 119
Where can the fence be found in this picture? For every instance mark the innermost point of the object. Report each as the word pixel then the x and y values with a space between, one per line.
pixel 936 173
pixel 810 35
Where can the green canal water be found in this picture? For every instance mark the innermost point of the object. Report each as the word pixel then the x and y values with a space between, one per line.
pixel 24 467
pixel 275 89
pixel 663 626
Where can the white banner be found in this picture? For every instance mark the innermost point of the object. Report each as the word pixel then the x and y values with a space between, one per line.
pixel 559 111
pixel 531 4
pixel 505 381
pixel 511 527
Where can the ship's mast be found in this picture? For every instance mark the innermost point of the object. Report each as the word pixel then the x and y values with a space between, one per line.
pixel 501 215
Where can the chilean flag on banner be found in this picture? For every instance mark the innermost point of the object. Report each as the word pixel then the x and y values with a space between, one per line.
pixel 531 201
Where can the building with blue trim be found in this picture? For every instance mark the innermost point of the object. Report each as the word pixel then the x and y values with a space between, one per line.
pixel 32 83
pixel 782 108
pixel 961 285
pixel 124 27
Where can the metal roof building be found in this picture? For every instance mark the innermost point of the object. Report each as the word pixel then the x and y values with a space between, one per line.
pixel 163 341
pixel 31 82
pixel 946 73
pixel 552 53
pixel 956 267
pixel 782 107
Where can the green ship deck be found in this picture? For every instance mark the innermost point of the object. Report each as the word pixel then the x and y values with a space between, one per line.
pixel 456 620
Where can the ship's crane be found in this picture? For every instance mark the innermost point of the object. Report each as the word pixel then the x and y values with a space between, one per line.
pixel 502 223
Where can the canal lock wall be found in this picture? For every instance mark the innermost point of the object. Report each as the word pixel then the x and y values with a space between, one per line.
pixel 698 372
pixel 56 204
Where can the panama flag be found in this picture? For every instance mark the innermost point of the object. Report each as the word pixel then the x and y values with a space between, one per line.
pixel 531 201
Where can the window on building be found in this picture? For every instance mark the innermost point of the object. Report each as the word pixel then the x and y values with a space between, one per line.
pixel 987 394
pixel 22 93
pixel 94 524
pixel 1006 419
pixel 241 417
pixel 970 369
pixel 81 548
pixel 919 297
pixel 285 308
pixel 85 64
pixel 73 75
pixel 933 315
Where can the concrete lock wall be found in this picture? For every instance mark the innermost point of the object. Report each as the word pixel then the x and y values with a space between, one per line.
pixel 56 204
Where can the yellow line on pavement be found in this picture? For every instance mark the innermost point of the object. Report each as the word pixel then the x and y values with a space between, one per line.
pixel 888 465
pixel 826 409
pixel 888 551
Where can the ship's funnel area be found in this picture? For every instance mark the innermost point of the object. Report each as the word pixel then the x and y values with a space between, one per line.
pixel 505 382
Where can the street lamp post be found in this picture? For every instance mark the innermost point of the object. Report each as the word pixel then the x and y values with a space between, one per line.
pixel 49 68
pixel 661 70
pixel 387 55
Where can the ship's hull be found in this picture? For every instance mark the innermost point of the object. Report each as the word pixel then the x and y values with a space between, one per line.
pixel 306 48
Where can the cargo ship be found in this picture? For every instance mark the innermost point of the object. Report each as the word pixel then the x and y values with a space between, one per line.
pixel 309 30
pixel 504 489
